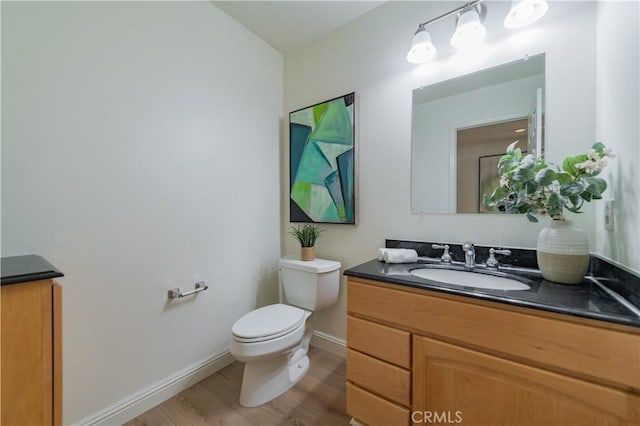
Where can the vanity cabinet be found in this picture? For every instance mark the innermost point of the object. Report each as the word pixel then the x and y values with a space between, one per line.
pixel 477 362
pixel 31 358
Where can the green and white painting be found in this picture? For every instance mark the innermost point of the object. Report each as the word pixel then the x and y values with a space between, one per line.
pixel 322 157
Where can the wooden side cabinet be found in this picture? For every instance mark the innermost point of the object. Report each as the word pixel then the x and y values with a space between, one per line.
pixel 31 350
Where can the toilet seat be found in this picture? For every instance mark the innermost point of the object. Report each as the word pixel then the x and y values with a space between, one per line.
pixel 267 323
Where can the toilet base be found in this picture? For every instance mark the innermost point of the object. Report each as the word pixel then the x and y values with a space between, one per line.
pixel 265 380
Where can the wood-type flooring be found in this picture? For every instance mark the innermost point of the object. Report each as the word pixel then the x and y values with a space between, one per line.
pixel 318 399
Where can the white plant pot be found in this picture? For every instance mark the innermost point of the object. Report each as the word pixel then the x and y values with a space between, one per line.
pixel 563 253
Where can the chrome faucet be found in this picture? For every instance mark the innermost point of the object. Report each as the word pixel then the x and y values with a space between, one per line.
pixel 446 257
pixel 469 254
pixel 492 262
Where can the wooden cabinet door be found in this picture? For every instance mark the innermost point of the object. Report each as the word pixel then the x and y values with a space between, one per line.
pixel 459 385
pixel 27 354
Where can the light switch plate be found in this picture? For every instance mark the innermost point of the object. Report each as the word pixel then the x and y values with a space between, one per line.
pixel 608 215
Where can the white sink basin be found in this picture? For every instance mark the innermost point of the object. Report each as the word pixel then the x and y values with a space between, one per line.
pixel 469 279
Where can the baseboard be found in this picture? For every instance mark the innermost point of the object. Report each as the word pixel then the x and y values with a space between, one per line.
pixel 136 404
pixel 329 343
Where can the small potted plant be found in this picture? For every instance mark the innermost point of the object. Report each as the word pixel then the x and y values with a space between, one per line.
pixel 306 234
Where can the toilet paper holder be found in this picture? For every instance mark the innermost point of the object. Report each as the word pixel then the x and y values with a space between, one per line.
pixel 175 293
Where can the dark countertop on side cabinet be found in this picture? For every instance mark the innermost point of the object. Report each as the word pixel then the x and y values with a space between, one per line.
pixel 20 269
pixel 587 300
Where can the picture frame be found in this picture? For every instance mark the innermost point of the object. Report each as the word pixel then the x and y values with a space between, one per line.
pixel 322 160
pixel 488 179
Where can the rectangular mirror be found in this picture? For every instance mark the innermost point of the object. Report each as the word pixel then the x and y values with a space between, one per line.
pixel 461 127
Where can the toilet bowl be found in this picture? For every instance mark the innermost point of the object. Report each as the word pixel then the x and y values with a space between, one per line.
pixel 273 341
pixel 267 331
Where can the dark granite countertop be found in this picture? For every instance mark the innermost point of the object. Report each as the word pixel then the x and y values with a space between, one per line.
pixel 588 300
pixel 19 269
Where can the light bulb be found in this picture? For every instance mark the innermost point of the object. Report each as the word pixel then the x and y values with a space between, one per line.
pixel 525 12
pixel 422 50
pixel 469 30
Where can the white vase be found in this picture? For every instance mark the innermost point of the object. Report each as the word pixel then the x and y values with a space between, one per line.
pixel 563 252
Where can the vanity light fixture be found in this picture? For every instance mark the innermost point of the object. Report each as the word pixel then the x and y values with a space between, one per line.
pixel 525 12
pixel 422 50
pixel 469 28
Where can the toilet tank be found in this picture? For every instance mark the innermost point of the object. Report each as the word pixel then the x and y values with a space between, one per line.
pixel 311 285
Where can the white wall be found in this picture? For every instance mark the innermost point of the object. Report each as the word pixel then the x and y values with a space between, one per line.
pixel 140 153
pixel 434 129
pixel 368 56
pixel 618 126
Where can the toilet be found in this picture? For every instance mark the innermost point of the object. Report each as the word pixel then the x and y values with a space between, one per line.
pixel 273 341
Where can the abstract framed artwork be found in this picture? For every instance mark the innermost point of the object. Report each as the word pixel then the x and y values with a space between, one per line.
pixel 322 162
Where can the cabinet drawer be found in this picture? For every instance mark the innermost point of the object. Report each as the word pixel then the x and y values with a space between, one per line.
pixel 373 410
pixel 603 355
pixel 380 341
pixel 379 377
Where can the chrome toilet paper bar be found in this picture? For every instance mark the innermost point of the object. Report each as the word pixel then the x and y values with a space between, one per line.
pixel 174 293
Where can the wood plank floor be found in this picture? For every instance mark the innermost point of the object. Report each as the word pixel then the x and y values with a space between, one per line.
pixel 318 399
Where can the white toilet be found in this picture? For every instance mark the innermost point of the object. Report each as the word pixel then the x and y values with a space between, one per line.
pixel 273 341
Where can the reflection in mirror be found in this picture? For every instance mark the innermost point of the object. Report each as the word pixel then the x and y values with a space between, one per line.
pixel 461 127
pixel 478 151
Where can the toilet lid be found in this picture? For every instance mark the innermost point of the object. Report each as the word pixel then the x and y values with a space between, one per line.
pixel 270 320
